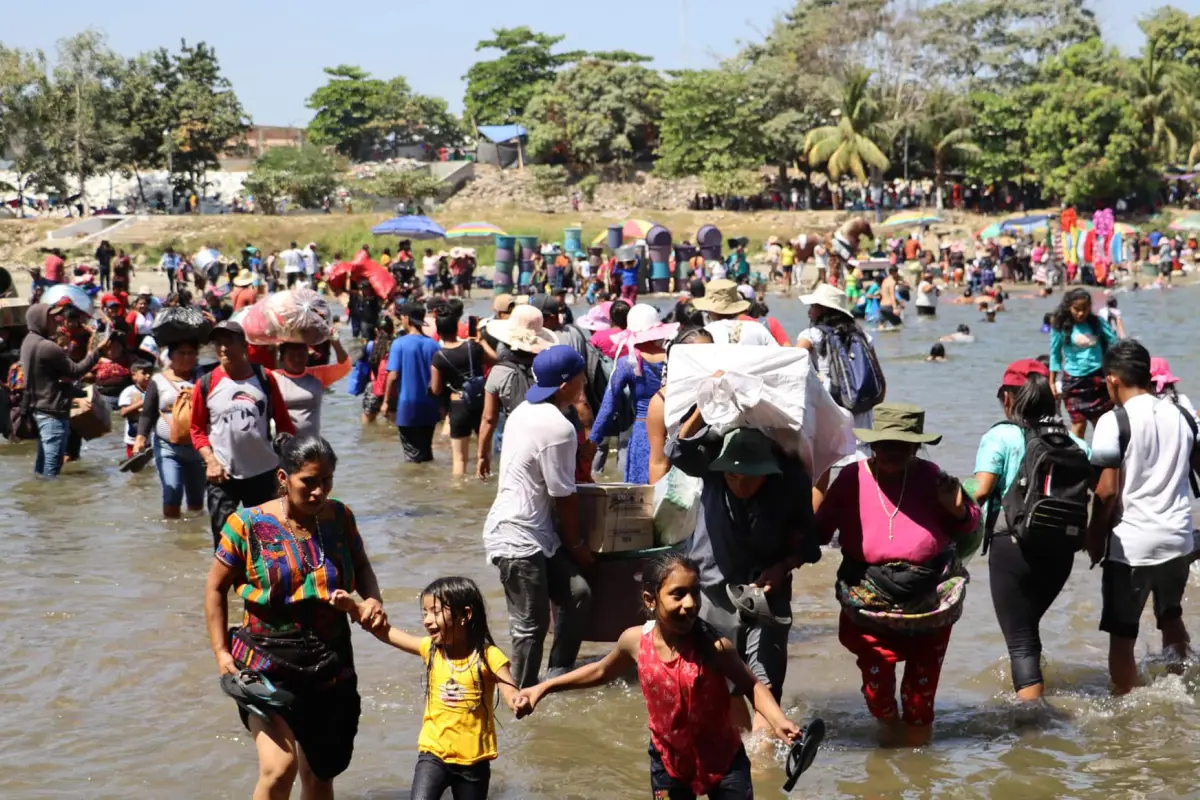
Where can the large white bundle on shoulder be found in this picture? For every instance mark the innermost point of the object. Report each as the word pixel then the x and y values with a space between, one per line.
pixel 773 389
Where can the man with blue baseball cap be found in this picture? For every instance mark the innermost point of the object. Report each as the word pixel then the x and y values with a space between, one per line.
pixel 538 563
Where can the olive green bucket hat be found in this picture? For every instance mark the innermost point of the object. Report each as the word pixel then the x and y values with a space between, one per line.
pixel 897 422
pixel 746 451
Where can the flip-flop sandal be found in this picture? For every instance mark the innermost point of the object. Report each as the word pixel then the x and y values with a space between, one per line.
pixel 255 693
pixel 751 602
pixel 137 462
pixel 803 752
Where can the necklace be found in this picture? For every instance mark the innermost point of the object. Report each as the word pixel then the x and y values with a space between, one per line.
pixel 891 515
pixel 300 541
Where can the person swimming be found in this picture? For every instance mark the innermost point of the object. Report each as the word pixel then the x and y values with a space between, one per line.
pixel 937 352
pixel 961 335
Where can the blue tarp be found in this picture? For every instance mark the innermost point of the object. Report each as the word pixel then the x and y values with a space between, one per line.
pixel 410 227
pixel 499 134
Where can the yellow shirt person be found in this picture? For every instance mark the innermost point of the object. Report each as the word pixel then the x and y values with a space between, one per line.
pixel 459 725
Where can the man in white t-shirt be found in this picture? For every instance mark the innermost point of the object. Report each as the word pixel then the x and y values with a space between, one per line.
pixel 429 270
pixel 293 264
pixel 724 305
pixel 538 563
pixel 1143 517
pixel 308 257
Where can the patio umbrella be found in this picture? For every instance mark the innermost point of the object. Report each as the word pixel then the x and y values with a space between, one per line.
pixel 410 227
pixel 1027 224
pixel 631 230
pixel 911 218
pixel 474 230
pixel 1188 222
pixel 991 231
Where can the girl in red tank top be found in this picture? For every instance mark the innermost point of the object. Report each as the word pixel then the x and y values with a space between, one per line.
pixel 683 667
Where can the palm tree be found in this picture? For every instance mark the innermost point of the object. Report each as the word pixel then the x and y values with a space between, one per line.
pixel 1160 88
pixel 848 145
pixel 947 131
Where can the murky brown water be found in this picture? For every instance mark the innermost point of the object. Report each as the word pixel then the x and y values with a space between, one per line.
pixel 108 687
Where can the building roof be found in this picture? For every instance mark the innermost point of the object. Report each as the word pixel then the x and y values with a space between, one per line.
pixel 499 134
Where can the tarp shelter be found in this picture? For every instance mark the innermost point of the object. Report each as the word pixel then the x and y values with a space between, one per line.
pixel 501 145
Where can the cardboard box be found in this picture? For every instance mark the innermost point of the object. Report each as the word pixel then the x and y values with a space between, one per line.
pixel 614 517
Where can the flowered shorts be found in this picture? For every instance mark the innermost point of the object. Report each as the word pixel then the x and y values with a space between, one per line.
pixel 878 654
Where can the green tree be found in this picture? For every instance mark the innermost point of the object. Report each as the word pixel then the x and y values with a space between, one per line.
pixel 205 113
pixel 710 122
pixel 597 112
pixel 1176 34
pixel 364 118
pixel 26 111
pixel 414 186
pixel 848 145
pixel 306 175
pixel 86 132
pixel 1000 133
pixel 143 117
pixel 1160 87
pixel 499 90
pixel 1086 141
pixel 946 130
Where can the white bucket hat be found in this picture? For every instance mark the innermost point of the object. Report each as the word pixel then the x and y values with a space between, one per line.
pixel 828 296
pixel 523 330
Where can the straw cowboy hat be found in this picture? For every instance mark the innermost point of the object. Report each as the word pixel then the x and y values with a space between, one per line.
pixel 830 297
pixel 897 422
pixel 244 278
pixel 523 330
pixel 721 297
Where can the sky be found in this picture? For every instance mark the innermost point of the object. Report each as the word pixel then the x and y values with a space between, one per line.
pixel 273 51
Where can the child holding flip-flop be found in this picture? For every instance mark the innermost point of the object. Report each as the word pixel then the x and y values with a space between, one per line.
pixel 685 669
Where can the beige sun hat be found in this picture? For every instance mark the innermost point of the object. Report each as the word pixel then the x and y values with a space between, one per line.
pixel 721 297
pixel 828 296
pixel 244 278
pixel 523 330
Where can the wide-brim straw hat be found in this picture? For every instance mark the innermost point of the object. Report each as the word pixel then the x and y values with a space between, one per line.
pixel 643 325
pixel 830 297
pixel 244 278
pixel 721 297
pixel 523 330
pixel 897 422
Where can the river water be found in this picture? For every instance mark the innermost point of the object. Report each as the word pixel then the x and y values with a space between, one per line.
pixel 108 686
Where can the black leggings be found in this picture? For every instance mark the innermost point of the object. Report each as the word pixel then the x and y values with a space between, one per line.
pixel 433 776
pixel 1025 583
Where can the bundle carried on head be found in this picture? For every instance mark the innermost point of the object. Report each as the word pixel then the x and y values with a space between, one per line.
pixel 298 315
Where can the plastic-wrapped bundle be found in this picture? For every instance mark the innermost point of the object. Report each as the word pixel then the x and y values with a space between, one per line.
pixel 298 315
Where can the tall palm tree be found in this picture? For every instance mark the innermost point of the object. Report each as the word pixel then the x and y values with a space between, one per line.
pixel 848 145
pixel 946 129
pixel 1160 88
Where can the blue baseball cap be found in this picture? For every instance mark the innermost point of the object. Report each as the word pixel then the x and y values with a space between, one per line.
pixel 553 367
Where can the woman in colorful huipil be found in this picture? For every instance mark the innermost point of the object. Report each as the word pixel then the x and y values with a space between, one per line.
pixel 289 665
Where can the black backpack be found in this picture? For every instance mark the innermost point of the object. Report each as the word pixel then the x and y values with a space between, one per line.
pixel 1047 504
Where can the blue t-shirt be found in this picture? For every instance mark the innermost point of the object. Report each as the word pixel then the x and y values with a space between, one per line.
pixel 629 275
pixel 411 358
pixel 1000 453
pixel 1079 352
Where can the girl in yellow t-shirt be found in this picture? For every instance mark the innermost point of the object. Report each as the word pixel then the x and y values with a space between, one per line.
pixel 463 668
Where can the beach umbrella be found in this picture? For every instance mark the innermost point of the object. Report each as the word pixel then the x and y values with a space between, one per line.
pixel 474 230
pixel 991 231
pixel 911 218
pixel 1188 222
pixel 410 227
pixel 631 231
pixel 1028 224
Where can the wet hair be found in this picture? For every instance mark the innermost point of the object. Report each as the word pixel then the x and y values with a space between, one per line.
pixel 1032 402
pixel 618 314
pixel 385 332
pixel 657 570
pixel 447 326
pixel 458 596
pixel 1111 302
pixel 963 328
pixel 1062 319
pixel 938 350
pixel 1129 361
pixel 296 451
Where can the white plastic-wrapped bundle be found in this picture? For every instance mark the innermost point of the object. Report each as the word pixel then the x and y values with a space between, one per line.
pixel 773 389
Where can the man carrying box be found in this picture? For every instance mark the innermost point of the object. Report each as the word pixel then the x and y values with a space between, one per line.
pixel 539 564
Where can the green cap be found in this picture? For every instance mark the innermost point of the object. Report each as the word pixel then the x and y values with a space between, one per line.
pixel 747 451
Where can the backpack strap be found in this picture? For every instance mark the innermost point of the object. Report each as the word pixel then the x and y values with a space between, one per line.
pixel 1124 433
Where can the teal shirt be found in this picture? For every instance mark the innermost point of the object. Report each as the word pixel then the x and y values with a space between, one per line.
pixel 1079 351
pixel 1000 453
